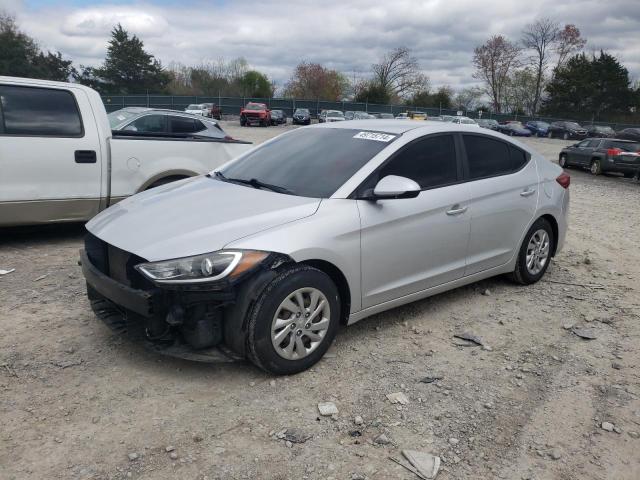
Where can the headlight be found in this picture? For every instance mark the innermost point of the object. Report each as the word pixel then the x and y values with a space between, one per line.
pixel 207 267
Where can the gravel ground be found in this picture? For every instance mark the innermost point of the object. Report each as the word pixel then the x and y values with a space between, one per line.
pixel 537 402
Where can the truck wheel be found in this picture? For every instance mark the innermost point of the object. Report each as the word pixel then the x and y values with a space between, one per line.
pixel 294 321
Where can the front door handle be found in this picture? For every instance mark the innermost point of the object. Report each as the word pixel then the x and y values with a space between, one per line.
pixel 528 192
pixel 85 156
pixel 456 210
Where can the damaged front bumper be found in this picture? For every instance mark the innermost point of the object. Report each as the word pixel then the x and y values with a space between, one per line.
pixel 204 323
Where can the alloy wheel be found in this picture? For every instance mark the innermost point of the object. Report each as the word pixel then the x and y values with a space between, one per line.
pixel 300 323
pixel 537 251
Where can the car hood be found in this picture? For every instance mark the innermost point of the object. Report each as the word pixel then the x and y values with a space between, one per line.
pixel 194 216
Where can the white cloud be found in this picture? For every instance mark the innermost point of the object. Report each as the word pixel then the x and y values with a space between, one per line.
pixel 275 35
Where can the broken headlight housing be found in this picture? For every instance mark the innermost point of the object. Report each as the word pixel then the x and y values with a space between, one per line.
pixel 208 267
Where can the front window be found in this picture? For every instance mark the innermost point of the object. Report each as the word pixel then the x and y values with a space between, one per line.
pixel 573 125
pixel 195 107
pixel 310 162
pixel 254 106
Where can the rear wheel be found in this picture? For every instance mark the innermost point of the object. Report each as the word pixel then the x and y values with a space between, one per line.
pixel 293 321
pixel 562 161
pixel 596 167
pixel 535 253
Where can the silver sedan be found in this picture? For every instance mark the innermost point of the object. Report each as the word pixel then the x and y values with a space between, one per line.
pixel 328 224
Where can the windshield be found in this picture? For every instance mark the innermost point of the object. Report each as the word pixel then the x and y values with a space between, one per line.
pixel 334 113
pixel 515 124
pixel 467 120
pixel 310 162
pixel 603 129
pixel 195 107
pixel 572 125
pixel 254 106
pixel 119 116
pixel 302 111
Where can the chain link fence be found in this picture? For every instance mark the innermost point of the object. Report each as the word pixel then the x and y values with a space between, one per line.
pixel 232 106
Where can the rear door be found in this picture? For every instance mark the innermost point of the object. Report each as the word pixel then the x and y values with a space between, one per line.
pixel 50 165
pixel 502 188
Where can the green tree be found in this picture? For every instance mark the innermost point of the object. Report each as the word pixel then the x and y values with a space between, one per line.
pixel 20 55
pixel 312 80
pixel 586 87
pixel 373 92
pixel 256 84
pixel 127 68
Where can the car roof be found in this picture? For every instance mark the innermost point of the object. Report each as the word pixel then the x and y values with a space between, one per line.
pixel 398 126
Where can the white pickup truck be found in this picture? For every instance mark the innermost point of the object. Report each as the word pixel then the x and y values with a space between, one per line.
pixel 61 162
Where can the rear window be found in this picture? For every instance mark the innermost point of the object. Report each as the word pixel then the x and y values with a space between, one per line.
pixel 488 157
pixel 44 112
pixel 185 125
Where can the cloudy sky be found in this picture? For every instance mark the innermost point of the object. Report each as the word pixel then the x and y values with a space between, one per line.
pixel 349 35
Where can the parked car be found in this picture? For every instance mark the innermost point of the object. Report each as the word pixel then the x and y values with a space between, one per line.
pixel 600 131
pixel 255 114
pixel 156 121
pixel 415 115
pixel 385 116
pixel 301 116
pixel 348 115
pixel 62 162
pixel 362 116
pixel 213 111
pixel 267 256
pixel 436 118
pixel 331 116
pixel 489 123
pixel 197 109
pixel 278 117
pixel 460 120
pixel 447 118
pixel 514 129
pixel 537 128
pixel 629 134
pixel 402 116
pixel 603 155
pixel 566 130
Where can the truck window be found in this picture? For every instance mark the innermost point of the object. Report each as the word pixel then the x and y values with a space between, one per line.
pixel 43 112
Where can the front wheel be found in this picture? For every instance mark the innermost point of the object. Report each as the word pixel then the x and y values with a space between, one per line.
pixel 293 321
pixel 535 253
pixel 596 167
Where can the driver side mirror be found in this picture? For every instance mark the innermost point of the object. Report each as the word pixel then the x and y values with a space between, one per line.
pixel 392 187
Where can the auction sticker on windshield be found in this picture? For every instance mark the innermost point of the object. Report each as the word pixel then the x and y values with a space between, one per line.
pixel 378 137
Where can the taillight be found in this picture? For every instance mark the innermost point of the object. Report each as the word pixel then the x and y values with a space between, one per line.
pixel 612 152
pixel 564 179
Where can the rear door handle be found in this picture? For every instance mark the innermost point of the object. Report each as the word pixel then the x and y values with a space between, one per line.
pixel 85 156
pixel 528 192
pixel 456 210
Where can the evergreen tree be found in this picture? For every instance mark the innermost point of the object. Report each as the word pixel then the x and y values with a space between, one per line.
pixel 587 86
pixel 256 84
pixel 127 68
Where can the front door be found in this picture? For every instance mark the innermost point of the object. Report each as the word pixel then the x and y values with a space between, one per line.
pixel 409 245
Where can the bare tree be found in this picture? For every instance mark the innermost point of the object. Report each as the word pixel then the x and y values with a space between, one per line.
pixel 569 42
pixel 494 61
pixel 398 74
pixel 541 37
pixel 468 98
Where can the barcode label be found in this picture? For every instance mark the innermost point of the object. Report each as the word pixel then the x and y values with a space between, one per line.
pixel 376 136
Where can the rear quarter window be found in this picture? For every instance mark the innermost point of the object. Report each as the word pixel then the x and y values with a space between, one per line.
pixel 42 112
pixel 489 157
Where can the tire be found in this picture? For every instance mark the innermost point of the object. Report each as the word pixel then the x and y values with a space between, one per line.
pixel 562 161
pixel 243 122
pixel 565 136
pixel 549 134
pixel 596 167
pixel 262 339
pixel 523 274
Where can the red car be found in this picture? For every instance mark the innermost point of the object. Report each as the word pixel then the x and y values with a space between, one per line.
pixel 255 113
pixel 213 111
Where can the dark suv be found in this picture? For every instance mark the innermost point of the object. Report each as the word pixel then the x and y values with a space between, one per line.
pixel 601 155
pixel 566 130
pixel 301 116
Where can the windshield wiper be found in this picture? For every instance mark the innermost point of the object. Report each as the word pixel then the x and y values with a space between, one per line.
pixel 255 183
